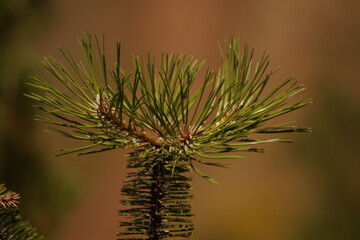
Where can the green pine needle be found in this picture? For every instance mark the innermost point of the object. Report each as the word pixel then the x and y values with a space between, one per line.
pixel 157 105
pixel 12 226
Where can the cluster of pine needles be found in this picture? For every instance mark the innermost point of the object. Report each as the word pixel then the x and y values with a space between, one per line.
pixel 175 115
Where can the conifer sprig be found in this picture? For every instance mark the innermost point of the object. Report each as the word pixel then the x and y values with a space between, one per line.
pixel 12 225
pixel 172 112
pixel 7 198
pixel 158 105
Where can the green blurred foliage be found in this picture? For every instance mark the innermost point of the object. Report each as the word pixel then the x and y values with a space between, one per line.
pixel 46 194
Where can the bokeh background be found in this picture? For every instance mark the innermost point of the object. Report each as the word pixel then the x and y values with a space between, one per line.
pixel 302 191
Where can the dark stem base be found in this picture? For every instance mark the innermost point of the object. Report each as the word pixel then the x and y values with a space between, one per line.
pixel 157 199
pixel 157 193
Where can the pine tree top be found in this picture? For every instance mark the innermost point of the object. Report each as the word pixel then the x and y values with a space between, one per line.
pixel 157 107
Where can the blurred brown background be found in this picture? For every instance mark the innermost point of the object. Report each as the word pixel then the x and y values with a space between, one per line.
pixel 302 191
